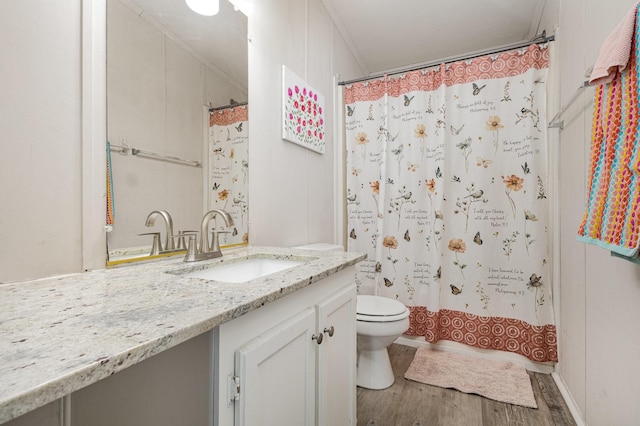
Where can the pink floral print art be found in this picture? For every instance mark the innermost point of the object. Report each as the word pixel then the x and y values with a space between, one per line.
pixel 302 113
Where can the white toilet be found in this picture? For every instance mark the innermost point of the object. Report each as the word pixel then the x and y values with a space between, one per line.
pixel 380 321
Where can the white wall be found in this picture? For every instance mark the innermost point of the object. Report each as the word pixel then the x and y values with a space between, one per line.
pixel 599 295
pixel 40 139
pixel 291 194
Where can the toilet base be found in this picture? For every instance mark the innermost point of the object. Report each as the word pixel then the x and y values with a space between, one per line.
pixel 374 369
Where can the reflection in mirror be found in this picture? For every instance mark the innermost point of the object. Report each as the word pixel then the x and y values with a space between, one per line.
pixel 176 90
pixel 229 168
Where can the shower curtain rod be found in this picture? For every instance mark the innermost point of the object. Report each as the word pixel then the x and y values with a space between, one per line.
pixel 237 104
pixel 539 39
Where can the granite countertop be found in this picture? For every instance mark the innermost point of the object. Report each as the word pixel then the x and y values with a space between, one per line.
pixel 61 334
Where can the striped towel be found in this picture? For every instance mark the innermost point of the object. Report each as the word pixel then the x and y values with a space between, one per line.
pixel 612 216
pixel 110 207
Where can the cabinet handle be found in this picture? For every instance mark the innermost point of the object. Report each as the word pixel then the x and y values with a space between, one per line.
pixel 317 337
pixel 329 330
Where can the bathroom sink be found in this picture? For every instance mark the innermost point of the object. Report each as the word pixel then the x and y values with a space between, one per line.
pixel 245 270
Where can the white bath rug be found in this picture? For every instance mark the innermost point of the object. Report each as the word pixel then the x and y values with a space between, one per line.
pixel 498 380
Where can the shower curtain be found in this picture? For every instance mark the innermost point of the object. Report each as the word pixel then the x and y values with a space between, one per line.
pixel 447 194
pixel 229 169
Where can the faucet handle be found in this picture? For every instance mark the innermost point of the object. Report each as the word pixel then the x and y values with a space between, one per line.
pixel 156 247
pixel 215 239
pixel 192 250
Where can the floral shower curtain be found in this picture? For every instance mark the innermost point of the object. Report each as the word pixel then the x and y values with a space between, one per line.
pixel 229 168
pixel 447 194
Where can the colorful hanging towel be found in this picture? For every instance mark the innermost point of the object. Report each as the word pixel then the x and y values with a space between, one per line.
pixel 110 206
pixel 615 51
pixel 612 217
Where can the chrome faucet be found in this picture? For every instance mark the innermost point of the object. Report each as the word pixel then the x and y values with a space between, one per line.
pixel 207 250
pixel 204 226
pixel 151 220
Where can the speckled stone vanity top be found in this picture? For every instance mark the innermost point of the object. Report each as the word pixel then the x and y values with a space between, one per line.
pixel 60 334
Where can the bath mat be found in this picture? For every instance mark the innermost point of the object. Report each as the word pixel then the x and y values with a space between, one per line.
pixel 501 381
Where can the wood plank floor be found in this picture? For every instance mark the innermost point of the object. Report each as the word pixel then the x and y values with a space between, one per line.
pixel 409 403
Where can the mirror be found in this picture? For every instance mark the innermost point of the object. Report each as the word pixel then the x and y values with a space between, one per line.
pixel 166 67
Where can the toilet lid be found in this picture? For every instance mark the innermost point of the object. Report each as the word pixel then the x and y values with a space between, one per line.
pixel 377 308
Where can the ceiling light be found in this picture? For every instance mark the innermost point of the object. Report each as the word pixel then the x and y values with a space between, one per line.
pixel 204 7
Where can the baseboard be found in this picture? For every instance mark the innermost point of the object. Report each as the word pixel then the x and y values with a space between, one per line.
pixel 418 341
pixel 568 399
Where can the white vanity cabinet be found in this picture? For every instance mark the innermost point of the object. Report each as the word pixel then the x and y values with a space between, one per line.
pixel 278 351
pixel 273 368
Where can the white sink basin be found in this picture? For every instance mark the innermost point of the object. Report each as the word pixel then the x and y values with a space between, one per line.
pixel 245 270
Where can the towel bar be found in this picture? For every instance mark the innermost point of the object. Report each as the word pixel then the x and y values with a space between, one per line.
pixel 165 157
pixel 124 150
pixel 556 121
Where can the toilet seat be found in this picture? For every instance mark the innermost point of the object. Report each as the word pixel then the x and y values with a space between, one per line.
pixel 379 309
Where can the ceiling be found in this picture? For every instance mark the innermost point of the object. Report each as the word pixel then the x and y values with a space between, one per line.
pixel 383 35
pixel 387 35
pixel 220 41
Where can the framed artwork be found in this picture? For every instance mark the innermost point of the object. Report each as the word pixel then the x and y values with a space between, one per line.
pixel 302 113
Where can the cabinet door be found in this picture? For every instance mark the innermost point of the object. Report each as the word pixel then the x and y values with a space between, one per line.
pixel 336 373
pixel 277 375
